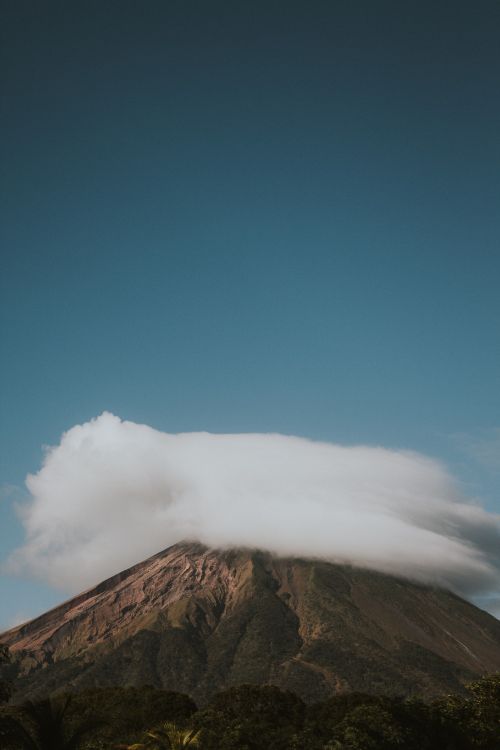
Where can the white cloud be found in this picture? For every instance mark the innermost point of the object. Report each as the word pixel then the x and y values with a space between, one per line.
pixel 113 492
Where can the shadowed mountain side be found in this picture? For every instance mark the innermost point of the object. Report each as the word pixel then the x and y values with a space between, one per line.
pixel 196 620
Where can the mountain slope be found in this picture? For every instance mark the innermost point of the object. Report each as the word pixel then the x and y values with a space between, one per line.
pixel 198 620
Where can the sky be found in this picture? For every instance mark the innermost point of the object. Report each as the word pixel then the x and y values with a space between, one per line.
pixel 227 217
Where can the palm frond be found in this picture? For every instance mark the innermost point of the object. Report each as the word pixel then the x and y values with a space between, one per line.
pixel 14 731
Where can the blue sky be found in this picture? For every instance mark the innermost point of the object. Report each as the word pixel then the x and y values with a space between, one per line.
pixel 250 217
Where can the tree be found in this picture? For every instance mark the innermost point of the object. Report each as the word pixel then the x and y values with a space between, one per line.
pixel 128 712
pixel 168 736
pixel 369 728
pixel 251 717
pixel 42 726
pixel 171 737
pixel 483 712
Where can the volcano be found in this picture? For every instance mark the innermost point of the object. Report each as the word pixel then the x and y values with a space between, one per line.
pixel 198 620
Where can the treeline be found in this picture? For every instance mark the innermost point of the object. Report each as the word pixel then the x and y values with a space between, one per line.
pixel 254 718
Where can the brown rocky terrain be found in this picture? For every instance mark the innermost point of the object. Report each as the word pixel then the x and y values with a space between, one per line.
pixel 196 620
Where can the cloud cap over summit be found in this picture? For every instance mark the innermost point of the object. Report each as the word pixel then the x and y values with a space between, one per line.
pixel 114 492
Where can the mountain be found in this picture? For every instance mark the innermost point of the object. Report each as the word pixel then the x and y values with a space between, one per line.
pixel 197 620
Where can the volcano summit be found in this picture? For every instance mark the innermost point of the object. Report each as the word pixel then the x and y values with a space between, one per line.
pixel 198 620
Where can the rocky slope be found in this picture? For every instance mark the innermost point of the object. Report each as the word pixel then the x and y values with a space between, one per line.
pixel 197 620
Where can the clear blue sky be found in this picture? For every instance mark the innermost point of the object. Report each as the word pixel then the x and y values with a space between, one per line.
pixel 251 216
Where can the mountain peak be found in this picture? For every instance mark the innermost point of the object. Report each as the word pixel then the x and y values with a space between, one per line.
pixel 197 620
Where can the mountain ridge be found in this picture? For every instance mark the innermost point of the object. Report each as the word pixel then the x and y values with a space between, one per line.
pixel 197 620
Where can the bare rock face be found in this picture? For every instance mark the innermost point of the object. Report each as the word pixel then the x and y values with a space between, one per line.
pixel 196 620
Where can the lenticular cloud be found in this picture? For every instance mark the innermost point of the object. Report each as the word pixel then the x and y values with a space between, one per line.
pixel 114 492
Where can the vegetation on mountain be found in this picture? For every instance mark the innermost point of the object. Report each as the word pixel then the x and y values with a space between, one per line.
pixel 251 717
pixel 5 687
pixel 199 621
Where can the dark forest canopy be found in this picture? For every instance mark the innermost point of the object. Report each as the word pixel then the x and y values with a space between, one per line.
pixel 252 717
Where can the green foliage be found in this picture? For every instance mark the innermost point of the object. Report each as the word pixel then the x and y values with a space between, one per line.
pixel 325 716
pixel 369 728
pixel 454 722
pixel 169 736
pixel 111 715
pixel 43 726
pixel 482 712
pixel 253 717
pixel 126 713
